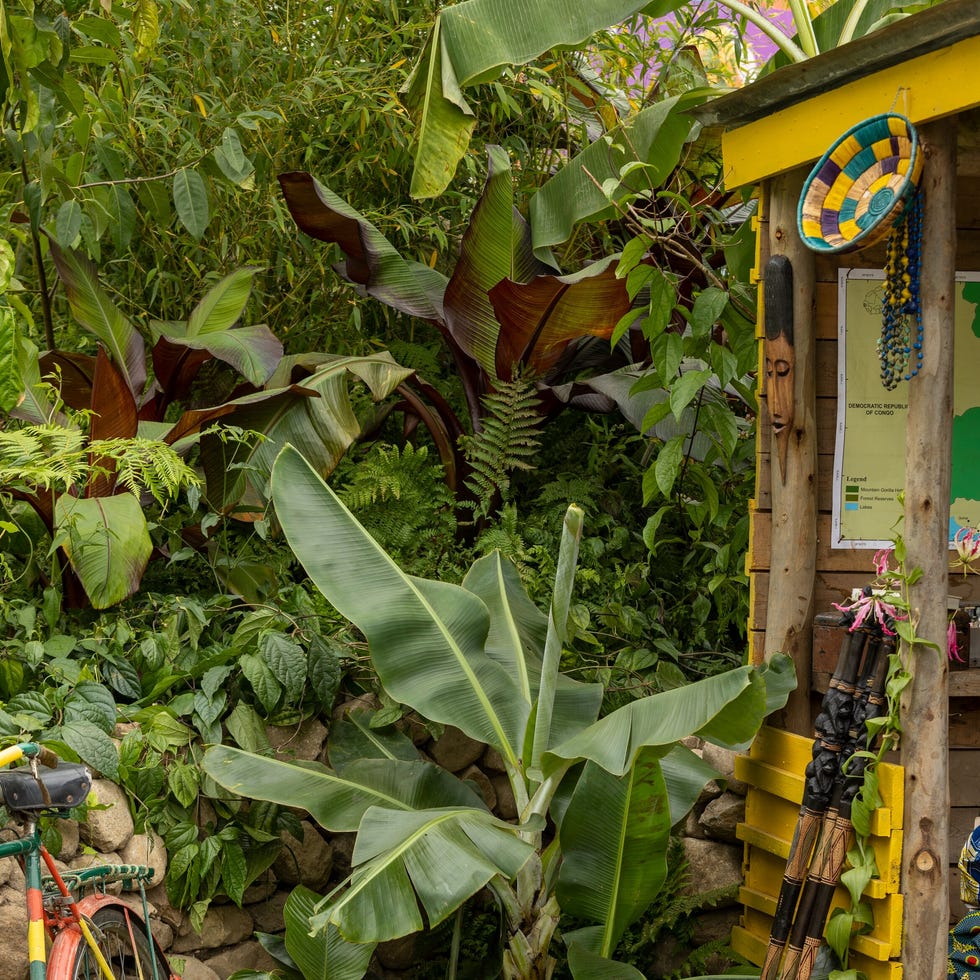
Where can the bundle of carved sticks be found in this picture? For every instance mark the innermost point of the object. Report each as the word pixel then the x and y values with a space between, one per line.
pixel 833 778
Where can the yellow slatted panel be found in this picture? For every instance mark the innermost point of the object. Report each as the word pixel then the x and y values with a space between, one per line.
pixel 747 944
pixel 774 771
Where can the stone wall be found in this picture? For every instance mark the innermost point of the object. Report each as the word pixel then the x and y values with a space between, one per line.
pixel 226 942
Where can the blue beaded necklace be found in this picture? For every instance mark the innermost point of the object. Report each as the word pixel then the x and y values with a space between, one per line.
pixel 900 345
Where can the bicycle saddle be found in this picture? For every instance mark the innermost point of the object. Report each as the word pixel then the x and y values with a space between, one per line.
pixel 54 791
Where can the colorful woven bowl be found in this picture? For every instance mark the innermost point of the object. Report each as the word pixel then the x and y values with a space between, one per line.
pixel 860 186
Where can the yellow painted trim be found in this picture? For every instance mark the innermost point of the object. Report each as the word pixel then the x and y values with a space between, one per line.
pixel 35 941
pixel 932 85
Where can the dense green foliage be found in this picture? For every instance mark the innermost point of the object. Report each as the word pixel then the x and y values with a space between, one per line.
pixel 143 225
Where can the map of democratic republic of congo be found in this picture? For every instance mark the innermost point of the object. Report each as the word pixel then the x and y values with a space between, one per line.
pixel 869 456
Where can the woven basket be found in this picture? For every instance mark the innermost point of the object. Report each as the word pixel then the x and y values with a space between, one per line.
pixel 860 186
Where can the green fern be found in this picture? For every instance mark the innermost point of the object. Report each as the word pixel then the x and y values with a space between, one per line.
pixel 399 495
pixel 54 457
pixel 509 441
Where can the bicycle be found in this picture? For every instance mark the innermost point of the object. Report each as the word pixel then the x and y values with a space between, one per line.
pixel 76 929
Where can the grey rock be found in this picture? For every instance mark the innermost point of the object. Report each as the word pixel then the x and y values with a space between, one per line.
pixel 722 815
pixel 455 751
pixel 248 955
pixel 711 865
pixel 224 925
pixel 109 829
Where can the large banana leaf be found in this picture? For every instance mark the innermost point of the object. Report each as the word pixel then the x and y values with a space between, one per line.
pixel 336 801
pixel 94 310
pixel 495 247
pixel 614 838
pixel 434 858
pixel 107 543
pixel 655 137
pixel 470 43
pixel 427 639
pixel 726 709
pixel 323 955
pixel 252 351
pixel 516 641
pixel 538 319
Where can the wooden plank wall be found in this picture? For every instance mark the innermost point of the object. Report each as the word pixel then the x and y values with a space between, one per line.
pixel 841 570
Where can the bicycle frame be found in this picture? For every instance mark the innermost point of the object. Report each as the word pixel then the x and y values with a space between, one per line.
pixel 42 925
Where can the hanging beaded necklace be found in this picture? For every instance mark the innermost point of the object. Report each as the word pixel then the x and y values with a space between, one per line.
pixel 900 345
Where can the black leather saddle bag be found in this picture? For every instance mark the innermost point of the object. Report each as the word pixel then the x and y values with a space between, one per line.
pixel 55 790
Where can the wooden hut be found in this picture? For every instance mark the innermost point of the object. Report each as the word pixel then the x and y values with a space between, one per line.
pixel 803 558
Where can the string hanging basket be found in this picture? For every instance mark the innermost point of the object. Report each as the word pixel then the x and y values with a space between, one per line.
pixel 861 185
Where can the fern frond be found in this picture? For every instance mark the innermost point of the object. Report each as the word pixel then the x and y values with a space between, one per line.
pixel 510 440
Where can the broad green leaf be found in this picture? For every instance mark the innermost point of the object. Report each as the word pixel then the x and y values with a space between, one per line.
pixel 122 212
pixel 354 738
pixel 222 305
pixel 470 43
pixel 68 224
pixel 317 418
pixel 191 201
pixel 94 310
pixel 262 680
pixel 614 838
pixel 426 638
pixel 726 709
pixel 107 543
pixel 324 955
pixel 252 351
pixel 10 380
pixel 684 390
pixel 91 745
pixel 324 670
pixel 232 161
pixel 338 801
pixel 587 965
pixel 655 136
pixel 443 119
pixel 400 860
pixel 287 661
pixel 234 870
pixel 668 465
pixel 247 728
pixel 94 703
pixel 708 306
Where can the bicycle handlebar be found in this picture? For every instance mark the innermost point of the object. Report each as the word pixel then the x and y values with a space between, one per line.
pixel 28 750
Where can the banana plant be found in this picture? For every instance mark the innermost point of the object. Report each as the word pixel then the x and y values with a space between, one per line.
pixel 483 657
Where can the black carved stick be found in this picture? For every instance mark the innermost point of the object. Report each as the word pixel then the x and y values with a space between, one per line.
pixel 822 775
pixel 869 702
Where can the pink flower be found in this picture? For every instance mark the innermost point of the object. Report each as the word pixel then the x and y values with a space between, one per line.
pixel 967 544
pixel 952 648
pixel 881 561
pixel 871 608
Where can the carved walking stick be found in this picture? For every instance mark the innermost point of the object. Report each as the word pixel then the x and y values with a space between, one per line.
pixel 818 893
pixel 780 353
pixel 822 773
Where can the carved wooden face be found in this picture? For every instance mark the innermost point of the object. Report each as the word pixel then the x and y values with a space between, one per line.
pixel 780 362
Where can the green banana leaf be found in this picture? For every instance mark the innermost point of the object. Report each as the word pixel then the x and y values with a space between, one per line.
pixel 726 709
pixel 655 137
pixel 587 965
pixel 427 639
pixel 36 405
pixel 434 858
pixel 92 307
pixel 338 801
pixel 516 641
pixel 352 739
pixel 10 383
pixel 107 543
pixel 470 43
pixel 252 351
pixel 614 838
pixel 323 955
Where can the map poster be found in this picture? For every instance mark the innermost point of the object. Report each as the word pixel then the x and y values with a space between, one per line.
pixel 869 454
